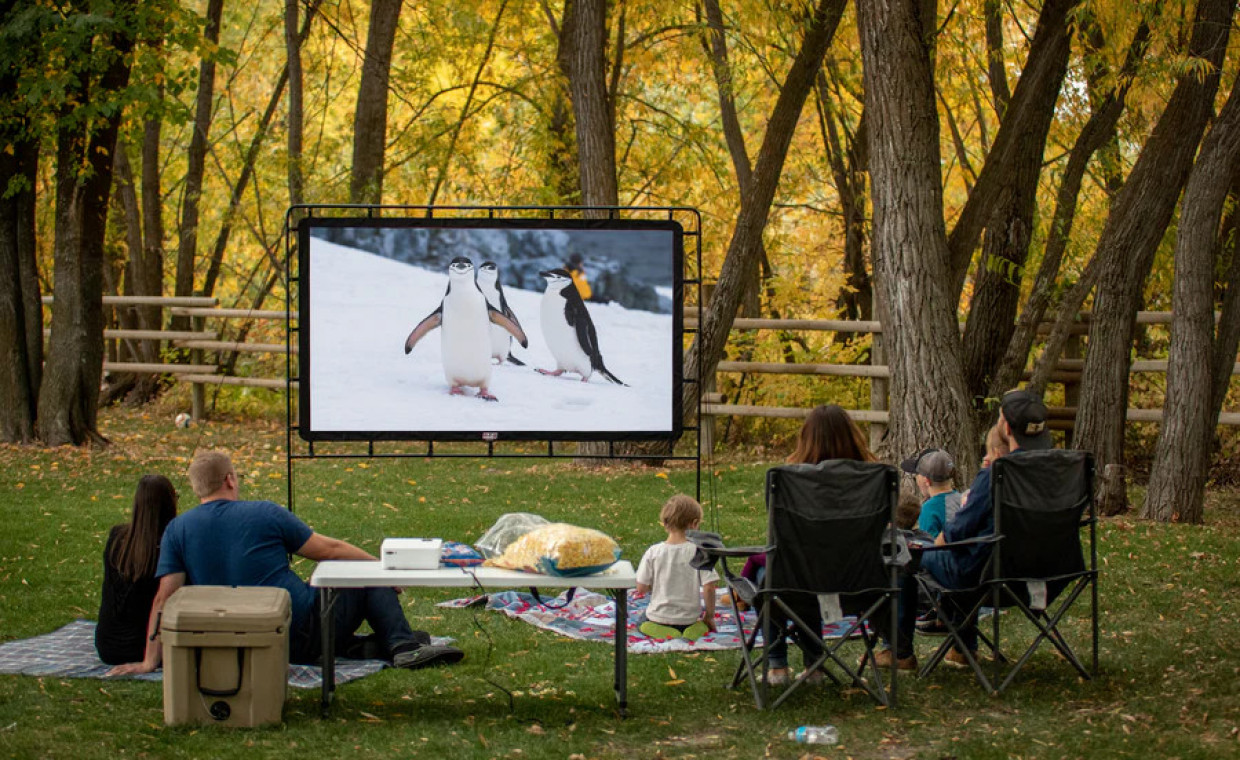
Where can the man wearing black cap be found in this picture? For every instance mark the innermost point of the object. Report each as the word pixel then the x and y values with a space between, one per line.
pixel 1022 423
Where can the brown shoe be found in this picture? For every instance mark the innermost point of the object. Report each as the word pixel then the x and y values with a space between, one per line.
pixel 883 660
pixel 956 659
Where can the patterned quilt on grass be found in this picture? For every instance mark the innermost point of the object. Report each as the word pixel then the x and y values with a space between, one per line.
pixel 590 616
pixel 69 652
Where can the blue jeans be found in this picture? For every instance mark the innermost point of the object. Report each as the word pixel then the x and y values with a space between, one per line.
pixel 380 607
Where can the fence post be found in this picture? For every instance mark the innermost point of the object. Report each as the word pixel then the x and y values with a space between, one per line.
pixel 199 411
pixel 878 391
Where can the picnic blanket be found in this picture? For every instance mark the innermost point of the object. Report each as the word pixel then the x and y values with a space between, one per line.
pixel 69 652
pixel 590 616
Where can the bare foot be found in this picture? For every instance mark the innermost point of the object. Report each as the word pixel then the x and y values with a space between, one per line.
pixel 552 373
pixel 482 394
pixel 457 390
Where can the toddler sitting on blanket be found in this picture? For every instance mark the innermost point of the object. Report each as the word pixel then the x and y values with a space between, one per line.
pixel 675 586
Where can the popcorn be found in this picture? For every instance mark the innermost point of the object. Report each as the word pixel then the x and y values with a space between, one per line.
pixel 562 545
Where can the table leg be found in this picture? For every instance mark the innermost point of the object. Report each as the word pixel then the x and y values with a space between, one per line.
pixel 327 631
pixel 622 650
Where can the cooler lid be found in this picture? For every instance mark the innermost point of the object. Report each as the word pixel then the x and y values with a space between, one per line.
pixel 236 609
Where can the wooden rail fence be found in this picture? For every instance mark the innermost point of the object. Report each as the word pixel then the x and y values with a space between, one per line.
pixel 200 373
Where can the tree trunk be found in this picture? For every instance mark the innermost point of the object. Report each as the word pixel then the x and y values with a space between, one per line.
pixel 1136 225
pixel 740 264
pixel 21 328
pixel 1228 338
pixel 1009 229
pixel 1186 435
pixel 1039 84
pixel 1098 130
pixel 69 396
pixel 187 248
pixel 857 300
pixel 583 60
pixel 582 57
pixel 152 279
pixel 296 112
pixel 370 118
pixel 912 265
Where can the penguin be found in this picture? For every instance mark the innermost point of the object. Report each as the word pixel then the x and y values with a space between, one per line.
pixel 501 339
pixel 466 339
pixel 568 329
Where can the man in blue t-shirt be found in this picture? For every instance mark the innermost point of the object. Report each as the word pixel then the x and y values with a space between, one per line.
pixel 227 542
pixel 1022 423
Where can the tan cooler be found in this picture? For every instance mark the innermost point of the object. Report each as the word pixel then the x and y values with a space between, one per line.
pixel 225 655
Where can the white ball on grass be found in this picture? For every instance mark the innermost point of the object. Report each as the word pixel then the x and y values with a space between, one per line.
pixel 183 420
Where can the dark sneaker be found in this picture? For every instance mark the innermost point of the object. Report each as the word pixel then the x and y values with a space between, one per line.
pixel 930 625
pixel 427 656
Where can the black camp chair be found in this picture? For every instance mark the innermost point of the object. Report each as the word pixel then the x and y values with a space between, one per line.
pixel 828 526
pixel 1042 500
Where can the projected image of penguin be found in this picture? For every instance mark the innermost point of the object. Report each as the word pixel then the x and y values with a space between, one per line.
pixel 569 331
pixel 501 339
pixel 466 319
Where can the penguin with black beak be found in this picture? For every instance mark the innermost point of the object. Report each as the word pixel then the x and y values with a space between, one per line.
pixel 569 331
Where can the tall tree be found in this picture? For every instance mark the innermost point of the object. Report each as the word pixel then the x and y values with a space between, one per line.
pixel 583 60
pixel 912 262
pixel 21 313
pixel 370 117
pixel 187 248
pixel 740 264
pixel 85 140
pixel 1186 435
pixel 1099 130
pixel 1139 217
pixel 1009 226
pixel 296 110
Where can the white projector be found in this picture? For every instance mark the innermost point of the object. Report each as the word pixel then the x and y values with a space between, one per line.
pixel 410 553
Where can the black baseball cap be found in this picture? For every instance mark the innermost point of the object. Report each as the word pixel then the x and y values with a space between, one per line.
pixel 1026 416
pixel 934 464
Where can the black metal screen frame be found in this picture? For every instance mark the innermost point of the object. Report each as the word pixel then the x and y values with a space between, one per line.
pixel 298 449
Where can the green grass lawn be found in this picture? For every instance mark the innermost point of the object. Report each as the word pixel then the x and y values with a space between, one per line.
pixel 1169 687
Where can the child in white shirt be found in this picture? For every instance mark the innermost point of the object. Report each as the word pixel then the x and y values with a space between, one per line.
pixel 677 590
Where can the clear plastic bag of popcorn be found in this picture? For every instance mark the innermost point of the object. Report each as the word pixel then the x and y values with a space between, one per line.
pixel 560 549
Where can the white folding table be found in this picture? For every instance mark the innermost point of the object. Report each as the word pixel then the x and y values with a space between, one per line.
pixel 333 575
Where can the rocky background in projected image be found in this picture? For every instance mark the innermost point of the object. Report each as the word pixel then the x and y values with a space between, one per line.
pixel 362 306
pixel 615 272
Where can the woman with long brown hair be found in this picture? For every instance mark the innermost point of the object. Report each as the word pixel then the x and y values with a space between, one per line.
pixel 129 583
pixel 828 433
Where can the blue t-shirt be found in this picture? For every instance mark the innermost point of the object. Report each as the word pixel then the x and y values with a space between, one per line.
pixel 238 543
pixel 936 511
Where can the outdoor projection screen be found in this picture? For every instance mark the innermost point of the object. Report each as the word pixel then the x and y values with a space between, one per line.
pixel 367 283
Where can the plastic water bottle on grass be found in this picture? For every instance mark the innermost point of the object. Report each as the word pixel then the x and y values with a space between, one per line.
pixel 814 735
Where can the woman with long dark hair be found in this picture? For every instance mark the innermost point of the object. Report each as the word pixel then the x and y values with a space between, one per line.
pixel 129 583
pixel 828 433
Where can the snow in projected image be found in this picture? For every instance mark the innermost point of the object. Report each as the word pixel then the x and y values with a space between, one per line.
pixel 363 306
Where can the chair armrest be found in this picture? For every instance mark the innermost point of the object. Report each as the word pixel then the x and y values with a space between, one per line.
pixel 736 551
pixel 976 540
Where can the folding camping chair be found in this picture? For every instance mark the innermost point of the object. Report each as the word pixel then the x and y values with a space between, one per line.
pixel 1042 500
pixel 828 525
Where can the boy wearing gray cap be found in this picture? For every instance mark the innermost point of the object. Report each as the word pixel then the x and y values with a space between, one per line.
pixel 934 469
